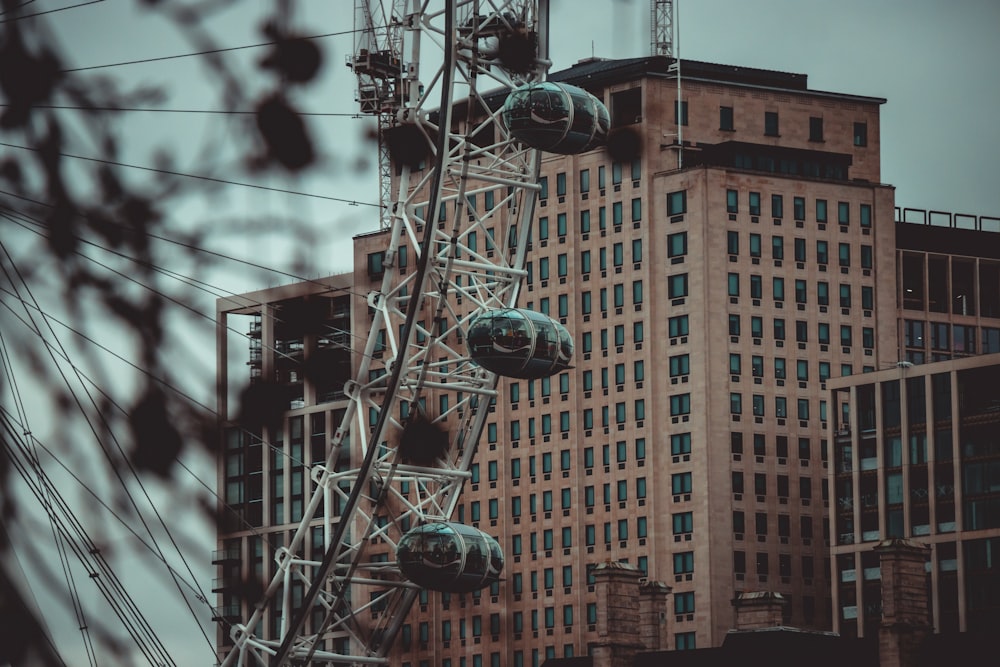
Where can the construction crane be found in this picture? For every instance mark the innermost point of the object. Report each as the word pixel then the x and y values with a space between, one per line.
pixel 377 63
pixel 438 75
pixel 661 28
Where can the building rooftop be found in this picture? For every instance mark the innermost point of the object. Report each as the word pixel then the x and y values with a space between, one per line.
pixel 596 72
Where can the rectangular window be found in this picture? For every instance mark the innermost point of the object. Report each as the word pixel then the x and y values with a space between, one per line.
pixel 755 245
pixel 861 134
pixel 844 213
pixel 777 206
pixel 756 326
pixel 680 483
pixel 779 328
pixel 677 203
pixel 735 364
pixel 677 286
pixel 726 118
pixel 733 243
pixel 823 293
pixel 845 295
pixel 815 129
pixel 584 180
pixel 777 247
pixel 778 288
pixel 799 204
pixel 734 325
pixel 732 201
pixel 680 404
pixel 754 203
pixel 800 291
pixel 820 210
pixel 684 562
pixel 680 444
pixel 734 284
pixel 756 287
pixel 822 254
pixel 560 227
pixel 735 403
pixel 680 113
pixel 800 250
pixel 866 215
pixel 677 244
pixel 636 209
pixel 867 298
pixel 677 326
pixel 844 254
pixel 561 185
pixel 680 365
pixel 866 257
pixel 771 123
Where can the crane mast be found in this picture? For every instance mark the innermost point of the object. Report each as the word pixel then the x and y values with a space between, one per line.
pixel 661 27
pixel 377 62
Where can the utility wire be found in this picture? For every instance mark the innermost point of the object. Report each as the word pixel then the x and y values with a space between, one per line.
pixel 199 111
pixel 111 400
pixel 99 570
pixel 214 253
pixel 71 586
pixel 107 426
pixel 197 176
pixel 50 11
pixel 192 586
pixel 208 52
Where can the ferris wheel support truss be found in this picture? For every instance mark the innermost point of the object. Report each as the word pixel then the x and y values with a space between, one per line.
pixel 363 602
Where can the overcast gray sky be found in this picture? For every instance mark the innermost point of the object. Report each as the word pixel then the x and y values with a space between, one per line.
pixel 935 62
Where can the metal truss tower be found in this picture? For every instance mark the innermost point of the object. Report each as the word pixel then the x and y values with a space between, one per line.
pixel 436 73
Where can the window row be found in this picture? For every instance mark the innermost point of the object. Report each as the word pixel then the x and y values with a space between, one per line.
pixel 780 368
pixel 820 208
pixel 946 337
pixel 823 330
pixel 799 250
pixel 618 170
pixel 781 446
pixel 758 409
pixel 760 485
pixel 618 337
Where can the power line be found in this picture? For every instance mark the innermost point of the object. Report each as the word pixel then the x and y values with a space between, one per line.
pixel 205 53
pixel 214 253
pixel 223 112
pixel 50 11
pixel 210 179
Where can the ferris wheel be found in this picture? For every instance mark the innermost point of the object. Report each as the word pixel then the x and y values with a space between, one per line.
pixel 464 111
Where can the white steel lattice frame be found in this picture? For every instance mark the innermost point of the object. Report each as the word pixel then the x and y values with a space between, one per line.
pixel 364 603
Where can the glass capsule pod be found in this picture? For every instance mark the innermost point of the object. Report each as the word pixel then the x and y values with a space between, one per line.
pixel 449 557
pixel 519 343
pixel 556 117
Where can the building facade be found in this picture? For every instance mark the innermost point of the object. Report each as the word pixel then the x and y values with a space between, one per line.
pixel 917 456
pixel 733 256
pixel 917 445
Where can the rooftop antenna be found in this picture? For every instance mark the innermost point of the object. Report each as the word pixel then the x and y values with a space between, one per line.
pixel 666 41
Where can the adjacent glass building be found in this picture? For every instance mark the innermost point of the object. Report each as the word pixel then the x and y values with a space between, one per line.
pixel 917 455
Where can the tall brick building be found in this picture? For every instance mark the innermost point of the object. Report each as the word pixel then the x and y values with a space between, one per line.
pixel 714 281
